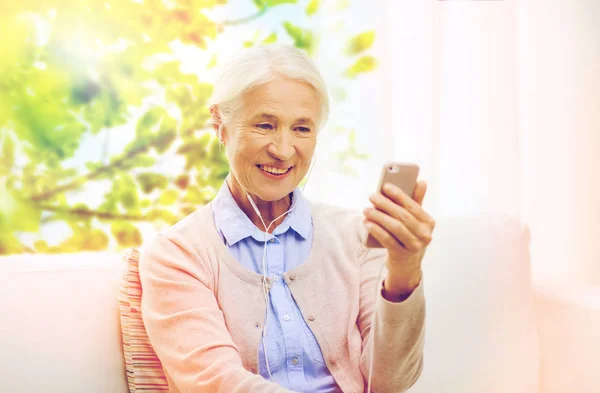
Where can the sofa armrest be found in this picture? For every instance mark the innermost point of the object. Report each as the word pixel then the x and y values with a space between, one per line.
pixel 569 323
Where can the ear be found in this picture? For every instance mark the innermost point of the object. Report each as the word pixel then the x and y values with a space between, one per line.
pixel 217 122
pixel 220 133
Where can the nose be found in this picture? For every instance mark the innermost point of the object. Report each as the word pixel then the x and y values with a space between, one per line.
pixel 282 148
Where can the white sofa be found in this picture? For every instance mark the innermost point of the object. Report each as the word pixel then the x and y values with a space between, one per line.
pixel 60 329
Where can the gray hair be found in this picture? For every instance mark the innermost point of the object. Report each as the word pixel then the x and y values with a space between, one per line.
pixel 262 64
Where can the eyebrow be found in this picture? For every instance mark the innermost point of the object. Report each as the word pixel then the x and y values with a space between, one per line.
pixel 266 116
pixel 270 117
pixel 306 120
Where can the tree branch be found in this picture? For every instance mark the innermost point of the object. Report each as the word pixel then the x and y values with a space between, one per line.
pixel 88 213
pixel 77 182
pixel 94 174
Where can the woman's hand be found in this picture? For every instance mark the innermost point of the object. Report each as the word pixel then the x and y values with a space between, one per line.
pixel 401 225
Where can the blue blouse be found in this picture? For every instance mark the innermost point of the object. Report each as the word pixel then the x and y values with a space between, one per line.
pixel 295 358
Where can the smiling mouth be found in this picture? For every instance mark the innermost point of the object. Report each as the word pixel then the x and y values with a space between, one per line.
pixel 274 171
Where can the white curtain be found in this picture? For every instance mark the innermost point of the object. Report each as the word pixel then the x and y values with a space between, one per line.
pixel 499 104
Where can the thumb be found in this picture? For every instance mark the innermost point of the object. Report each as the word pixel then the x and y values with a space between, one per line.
pixel 419 192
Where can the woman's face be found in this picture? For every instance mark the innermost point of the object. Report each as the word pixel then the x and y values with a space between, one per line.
pixel 271 138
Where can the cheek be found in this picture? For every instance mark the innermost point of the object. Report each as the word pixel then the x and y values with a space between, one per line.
pixel 247 143
pixel 306 150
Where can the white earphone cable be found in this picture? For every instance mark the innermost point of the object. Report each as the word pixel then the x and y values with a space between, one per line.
pixel 266 290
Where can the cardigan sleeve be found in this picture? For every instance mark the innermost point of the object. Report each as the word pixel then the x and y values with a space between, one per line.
pixel 399 332
pixel 186 326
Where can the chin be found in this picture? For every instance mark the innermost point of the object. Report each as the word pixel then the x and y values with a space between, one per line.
pixel 271 194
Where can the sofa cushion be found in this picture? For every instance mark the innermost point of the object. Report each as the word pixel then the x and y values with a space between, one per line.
pixel 144 370
pixel 481 333
pixel 59 329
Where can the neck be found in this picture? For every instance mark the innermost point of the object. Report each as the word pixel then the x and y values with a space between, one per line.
pixel 269 210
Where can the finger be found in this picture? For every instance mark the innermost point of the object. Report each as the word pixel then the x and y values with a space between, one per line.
pixel 394 227
pixel 382 236
pixel 400 197
pixel 393 209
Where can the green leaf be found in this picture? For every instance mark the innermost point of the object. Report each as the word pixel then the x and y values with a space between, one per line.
pixel 9 244
pixel 168 197
pixel 202 92
pixel 129 198
pixel 164 215
pixel 341 5
pixel 84 238
pixel 270 39
pixel 143 161
pixel 303 38
pixel 212 62
pixel 360 43
pixel 126 234
pixel 96 240
pixel 166 137
pixel 150 119
pixel 41 246
pixel 150 181
pixel 352 137
pixel 195 150
pixel 17 213
pixel 7 159
pixel 180 94
pixel 193 196
pixel 186 210
pixel 312 7
pixel 272 3
pixel 364 64
pixel 93 166
pixel 260 4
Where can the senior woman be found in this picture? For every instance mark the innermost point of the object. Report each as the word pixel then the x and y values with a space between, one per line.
pixel 261 290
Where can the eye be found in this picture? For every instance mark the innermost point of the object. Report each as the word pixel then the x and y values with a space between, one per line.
pixel 265 126
pixel 303 129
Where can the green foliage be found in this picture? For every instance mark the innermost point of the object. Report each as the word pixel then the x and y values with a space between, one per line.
pixel 312 7
pixel 79 113
pixel 127 234
pixel 272 3
pixel 270 39
pixel 363 64
pixel 303 38
pixel 360 43
pixel 350 153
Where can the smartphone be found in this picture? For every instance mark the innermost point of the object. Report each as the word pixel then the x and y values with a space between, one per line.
pixel 401 174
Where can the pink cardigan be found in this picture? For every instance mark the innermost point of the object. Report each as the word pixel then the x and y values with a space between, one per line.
pixel 203 311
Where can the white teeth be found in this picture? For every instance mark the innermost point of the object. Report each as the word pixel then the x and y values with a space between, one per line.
pixel 276 171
